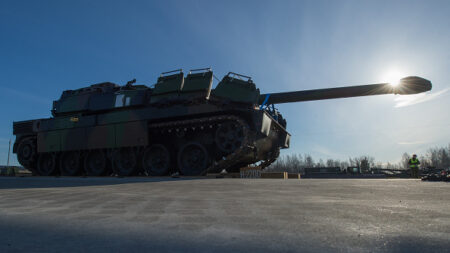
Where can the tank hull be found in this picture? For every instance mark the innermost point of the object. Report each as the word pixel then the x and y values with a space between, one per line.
pixel 136 129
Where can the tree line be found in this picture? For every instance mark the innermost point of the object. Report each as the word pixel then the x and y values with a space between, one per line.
pixel 438 157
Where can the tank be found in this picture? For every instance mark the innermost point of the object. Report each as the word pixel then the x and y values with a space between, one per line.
pixel 180 124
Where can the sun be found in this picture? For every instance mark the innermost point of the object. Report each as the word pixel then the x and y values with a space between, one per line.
pixel 393 76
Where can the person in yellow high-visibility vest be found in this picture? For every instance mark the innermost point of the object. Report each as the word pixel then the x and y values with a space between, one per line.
pixel 414 166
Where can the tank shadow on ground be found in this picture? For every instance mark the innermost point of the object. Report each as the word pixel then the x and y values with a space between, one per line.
pixel 26 236
pixel 52 182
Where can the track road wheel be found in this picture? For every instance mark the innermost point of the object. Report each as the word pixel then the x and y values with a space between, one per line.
pixel 46 165
pixel 27 153
pixel 156 160
pixel 70 164
pixel 125 162
pixel 193 159
pixel 95 163
pixel 229 136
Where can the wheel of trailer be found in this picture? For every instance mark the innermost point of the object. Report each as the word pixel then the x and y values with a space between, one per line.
pixel 229 136
pixel 26 153
pixel 156 160
pixel 193 159
pixel 70 164
pixel 46 165
pixel 125 161
pixel 95 163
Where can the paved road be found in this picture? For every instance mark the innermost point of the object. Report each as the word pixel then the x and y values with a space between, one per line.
pixel 223 215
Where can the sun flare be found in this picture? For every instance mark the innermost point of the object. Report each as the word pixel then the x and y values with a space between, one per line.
pixel 393 76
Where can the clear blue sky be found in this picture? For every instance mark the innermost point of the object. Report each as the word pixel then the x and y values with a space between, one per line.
pixel 49 46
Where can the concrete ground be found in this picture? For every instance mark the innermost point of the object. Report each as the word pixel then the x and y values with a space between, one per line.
pixel 223 215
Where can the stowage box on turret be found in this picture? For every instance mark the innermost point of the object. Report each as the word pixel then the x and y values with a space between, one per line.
pixel 180 125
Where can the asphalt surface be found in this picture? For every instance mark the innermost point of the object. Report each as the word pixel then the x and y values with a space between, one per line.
pixel 223 215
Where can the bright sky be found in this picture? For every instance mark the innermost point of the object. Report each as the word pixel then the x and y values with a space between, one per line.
pixel 50 46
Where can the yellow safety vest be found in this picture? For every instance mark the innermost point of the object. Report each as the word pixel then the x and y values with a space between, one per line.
pixel 413 163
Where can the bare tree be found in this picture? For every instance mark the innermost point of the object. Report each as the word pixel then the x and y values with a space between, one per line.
pixel 330 162
pixel 290 163
pixel 404 163
pixel 293 163
pixel 337 163
pixel 320 163
pixel 351 162
pixel 344 165
pixel 424 162
pixel 434 157
pixel 355 161
pixel 444 158
pixel 309 161
pixel 364 162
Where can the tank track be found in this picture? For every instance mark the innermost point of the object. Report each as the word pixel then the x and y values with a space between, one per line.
pixel 229 160
pixel 271 160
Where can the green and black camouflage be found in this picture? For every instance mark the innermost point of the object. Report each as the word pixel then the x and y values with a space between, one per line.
pixel 180 124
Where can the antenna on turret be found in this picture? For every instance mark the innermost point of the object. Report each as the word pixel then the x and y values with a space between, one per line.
pixel 130 83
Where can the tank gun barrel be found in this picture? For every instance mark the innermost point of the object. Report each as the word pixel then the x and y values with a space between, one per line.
pixel 406 86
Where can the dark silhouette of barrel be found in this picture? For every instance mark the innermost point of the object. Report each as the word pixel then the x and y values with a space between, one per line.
pixel 407 85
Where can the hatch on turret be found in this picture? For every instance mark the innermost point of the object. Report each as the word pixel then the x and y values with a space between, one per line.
pixel 175 88
pixel 237 88
pixel 168 86
pixel 197 84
